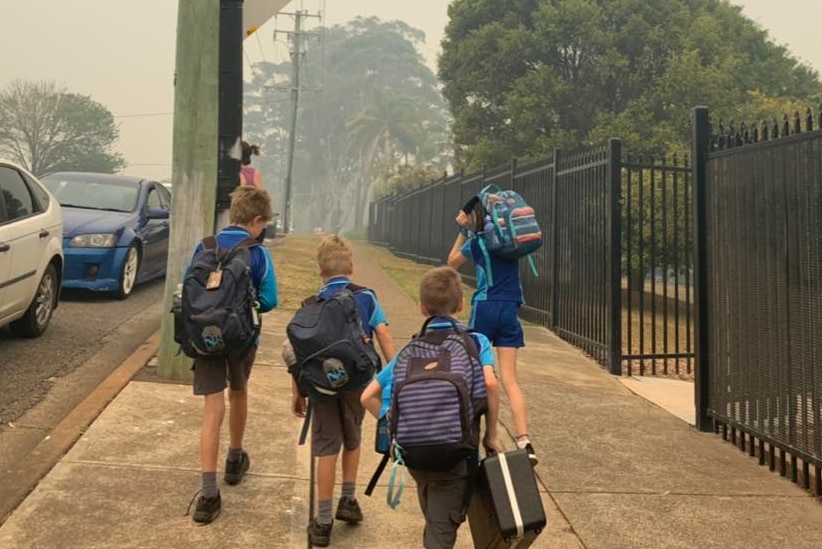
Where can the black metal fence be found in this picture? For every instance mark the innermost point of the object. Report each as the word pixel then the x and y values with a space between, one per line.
pixel 615 271
pixel 759 291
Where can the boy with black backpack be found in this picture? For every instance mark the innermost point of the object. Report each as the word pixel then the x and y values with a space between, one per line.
pixel 229 281
pixel 330 352
pixel 434 393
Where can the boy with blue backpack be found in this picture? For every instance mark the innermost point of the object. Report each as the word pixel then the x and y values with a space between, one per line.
pixel 433 394
pixel 331 357
pixel 229 281
pixel 497 228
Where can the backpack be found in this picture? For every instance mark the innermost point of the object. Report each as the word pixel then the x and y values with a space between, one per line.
pixel 333 353
pixel 217 314
pixel 510 227
pixel 436 400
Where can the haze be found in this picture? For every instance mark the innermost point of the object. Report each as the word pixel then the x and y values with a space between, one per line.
pixel 122 52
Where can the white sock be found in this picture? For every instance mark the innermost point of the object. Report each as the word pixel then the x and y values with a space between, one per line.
pixel 521 444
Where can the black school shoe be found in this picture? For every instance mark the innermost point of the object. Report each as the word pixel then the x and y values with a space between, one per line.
pixel 348 510
pixel 531 454
pixel 207 510
pixel 235 470
pixel 319 534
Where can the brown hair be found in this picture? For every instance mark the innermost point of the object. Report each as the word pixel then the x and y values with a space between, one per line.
pixel 335 257
pixel 441 291
pixel 249 202
pixel 247 151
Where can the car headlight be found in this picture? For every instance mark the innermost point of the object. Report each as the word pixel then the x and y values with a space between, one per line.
pixel 94 241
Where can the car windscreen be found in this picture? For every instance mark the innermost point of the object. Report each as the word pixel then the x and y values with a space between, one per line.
pixel 93 195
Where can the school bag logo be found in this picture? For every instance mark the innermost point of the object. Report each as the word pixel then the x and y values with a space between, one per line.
pixel 216 313
pixel 333 353
pixel 510 228
pixel 438 396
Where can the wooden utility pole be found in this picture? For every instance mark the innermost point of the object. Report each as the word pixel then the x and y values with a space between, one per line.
pixel 194 165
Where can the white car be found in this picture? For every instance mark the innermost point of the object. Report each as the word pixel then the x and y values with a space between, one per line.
pixel 31 252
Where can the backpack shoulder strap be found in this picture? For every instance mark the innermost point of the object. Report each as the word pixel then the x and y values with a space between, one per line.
pixel 355 288
pixel 310 300
pixel 247 242
pixel 210 243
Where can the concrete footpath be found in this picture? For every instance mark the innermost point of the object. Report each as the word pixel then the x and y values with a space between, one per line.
pixel 616 471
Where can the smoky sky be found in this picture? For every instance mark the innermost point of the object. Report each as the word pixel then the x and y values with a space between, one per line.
pixel 121 52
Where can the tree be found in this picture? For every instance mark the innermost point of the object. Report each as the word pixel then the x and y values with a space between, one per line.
pixel 379 105
pixel 47 129
pixel 525 76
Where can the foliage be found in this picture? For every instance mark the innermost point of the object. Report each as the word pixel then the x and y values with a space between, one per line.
pixel 525 76
pixel 397 179
pixel 379 105
pixel 47 129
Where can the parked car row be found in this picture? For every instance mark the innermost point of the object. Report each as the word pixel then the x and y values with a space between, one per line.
pixel 75 230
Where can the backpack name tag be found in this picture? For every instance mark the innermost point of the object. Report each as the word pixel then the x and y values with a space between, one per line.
pixel 214 280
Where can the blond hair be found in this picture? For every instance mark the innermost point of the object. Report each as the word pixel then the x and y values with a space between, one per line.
pixel 248 202
pixel 441 291
pixel 335 257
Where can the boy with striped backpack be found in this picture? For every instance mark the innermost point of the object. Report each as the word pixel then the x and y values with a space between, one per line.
pixel 434 393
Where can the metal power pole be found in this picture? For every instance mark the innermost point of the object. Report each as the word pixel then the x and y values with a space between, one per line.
pixel 296 58
pixel 296 54
pixel 194 164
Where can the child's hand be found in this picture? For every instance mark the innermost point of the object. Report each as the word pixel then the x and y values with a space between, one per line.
pixel 463 220
pixel 299 405
pixel 492 444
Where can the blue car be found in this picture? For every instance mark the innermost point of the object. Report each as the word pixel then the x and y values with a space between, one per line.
pixel 116 230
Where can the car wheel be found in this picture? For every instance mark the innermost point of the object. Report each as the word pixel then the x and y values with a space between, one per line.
pixel 128 274
pixel 38 315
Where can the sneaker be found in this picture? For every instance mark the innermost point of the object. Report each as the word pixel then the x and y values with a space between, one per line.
pixel 348 510
pixel 319 535
pixel 531 454
pixel 235 470
pixel 207 509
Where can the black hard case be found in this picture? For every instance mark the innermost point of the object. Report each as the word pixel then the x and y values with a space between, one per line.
pixel 491 515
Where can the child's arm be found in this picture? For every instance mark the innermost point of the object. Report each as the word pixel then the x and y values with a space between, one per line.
pixel 491 440
pixel 268 285
pixel 371 398
pixel 457 256
pixel 385 340
pixel 299 405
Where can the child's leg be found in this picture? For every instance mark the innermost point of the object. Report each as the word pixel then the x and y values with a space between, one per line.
pixel 213 413
pixel 507 357
pixel 239 370
pixel 442 500
pixel 326 442
pixel 237 417
pixel 352 417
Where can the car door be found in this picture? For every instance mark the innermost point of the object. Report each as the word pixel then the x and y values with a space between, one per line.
pixel 165 234
pixel 155 233
pixel 24 239
pixel 5 259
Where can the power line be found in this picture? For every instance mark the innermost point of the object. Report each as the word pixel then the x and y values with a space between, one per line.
pixel 142 115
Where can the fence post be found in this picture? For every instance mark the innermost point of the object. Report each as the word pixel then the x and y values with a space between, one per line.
pixel 554 236
pixel 513 173
pixel 614 182
pixel 702 367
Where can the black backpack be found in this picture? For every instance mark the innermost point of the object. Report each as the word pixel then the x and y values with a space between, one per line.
pixel 333 353
pixel 217 314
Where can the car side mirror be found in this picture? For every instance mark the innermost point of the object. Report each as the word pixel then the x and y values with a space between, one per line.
pixel 157 213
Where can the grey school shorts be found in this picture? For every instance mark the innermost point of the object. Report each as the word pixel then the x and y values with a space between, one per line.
pixel 211 373
pixel 336 422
